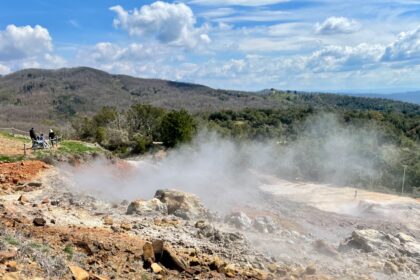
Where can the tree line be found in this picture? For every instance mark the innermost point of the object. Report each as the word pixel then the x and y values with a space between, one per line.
pixel 133 131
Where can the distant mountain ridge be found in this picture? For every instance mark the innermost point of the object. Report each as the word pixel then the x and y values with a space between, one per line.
pixel 52 97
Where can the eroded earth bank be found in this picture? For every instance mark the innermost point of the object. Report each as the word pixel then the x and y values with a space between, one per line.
pixel 54 228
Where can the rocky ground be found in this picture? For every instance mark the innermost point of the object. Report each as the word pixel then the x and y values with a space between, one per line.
pixel 50 231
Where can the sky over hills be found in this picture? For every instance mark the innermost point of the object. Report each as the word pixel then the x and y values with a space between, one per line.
pixel 241 44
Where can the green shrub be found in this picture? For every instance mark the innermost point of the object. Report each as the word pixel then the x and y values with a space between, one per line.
pixel 177 127
pixel 142 144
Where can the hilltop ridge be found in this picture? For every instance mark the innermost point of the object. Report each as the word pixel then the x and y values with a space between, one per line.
pixel 34 96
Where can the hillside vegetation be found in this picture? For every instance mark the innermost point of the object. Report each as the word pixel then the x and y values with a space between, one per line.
pixel 36 97
pixel 49 97
pixel 126 115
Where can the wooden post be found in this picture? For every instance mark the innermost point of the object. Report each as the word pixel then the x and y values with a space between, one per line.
pixel 24 149
pixel 403 181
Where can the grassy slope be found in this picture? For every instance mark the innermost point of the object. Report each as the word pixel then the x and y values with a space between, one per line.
pixel 66 148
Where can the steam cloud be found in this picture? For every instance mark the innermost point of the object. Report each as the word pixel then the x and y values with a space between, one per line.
pixel 224 172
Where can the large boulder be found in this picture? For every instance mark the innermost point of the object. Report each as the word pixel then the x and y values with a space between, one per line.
pixel 264 224
pixel 239 219
pixel 371 240
pixel 184 205
pixel 147 207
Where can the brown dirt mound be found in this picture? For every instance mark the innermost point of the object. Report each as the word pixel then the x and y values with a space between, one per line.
pixel 21 171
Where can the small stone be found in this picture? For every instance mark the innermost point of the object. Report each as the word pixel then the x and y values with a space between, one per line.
pixel 230 270
pixel 55 202
pixel 11 266
pixel 200 224
pixel 34 184
pixel 23 199
pixel 108 221
pixel 39 222
pixel 125 226
pixel 45 200
pixel 7 255
pixel 405 238
pixel 156 268
pixel 148 253
pixel 272 267
pixel 216 264
pixel 390 268
pixel 79 273
pixel 310 270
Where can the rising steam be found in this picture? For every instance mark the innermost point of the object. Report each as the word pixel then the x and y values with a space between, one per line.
pixel 224 172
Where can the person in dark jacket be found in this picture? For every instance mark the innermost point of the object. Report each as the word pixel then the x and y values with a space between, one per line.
pixel 51 136
pixel 32 134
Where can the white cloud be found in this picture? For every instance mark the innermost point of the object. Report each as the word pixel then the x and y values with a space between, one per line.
pixel 344 58
pixel 4 70
pixel 216 13
pixel 151 60
pixel 22 42
pixel 27 47
pixel 106 51
pixel 251 3
pixel 266 45
pixel 405 47
pixel 337 25
pixel 168 23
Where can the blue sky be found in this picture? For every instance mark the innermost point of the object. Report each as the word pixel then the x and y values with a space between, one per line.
pixel 371 45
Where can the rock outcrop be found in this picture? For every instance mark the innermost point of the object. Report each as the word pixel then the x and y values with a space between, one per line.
pixel 147 207
pixel 370 240
pixel 239 219
pixel 181 204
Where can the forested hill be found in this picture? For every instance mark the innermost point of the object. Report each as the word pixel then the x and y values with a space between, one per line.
pixel 72 101
pixel 35 96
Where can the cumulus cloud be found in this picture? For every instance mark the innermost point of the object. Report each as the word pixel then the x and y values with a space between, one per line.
pixel 106 51
pixel 344 58
pixel 142 60
pixel 25 41
pixel 27 47
pixel 337 25
pixel 405 47
pixel 167 22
